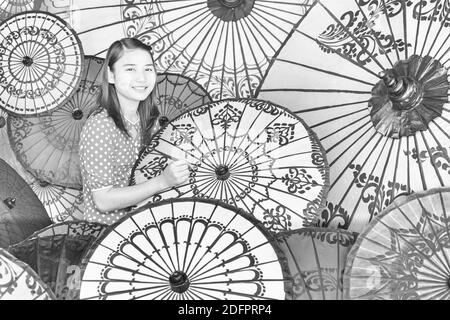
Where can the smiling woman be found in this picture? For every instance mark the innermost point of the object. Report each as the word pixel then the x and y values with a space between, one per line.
pixel 113 134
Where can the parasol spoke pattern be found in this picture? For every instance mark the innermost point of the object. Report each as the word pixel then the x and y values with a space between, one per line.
pixel 19 282
pixel 48 145
pixel 177 94
pixel 185 249
pixel 56 253
pixel 249 153
pixel 371 81
pixel 40 64
pixel 404 252
pixel 225 46
pixel 316 259
pixel 21 212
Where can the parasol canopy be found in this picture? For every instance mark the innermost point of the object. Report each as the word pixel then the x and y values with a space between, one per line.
pixel 316 259
pixel 21 212
pixel 40 65
pixel 249 153
pixel 48 145
pixel 56 252
pixel 185 249
pixel 404 253
pixel 224 45
pixel 19 282
pixel 176 94
pixel 371 81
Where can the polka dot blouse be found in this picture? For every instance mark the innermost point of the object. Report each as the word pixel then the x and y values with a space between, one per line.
pixel 107 156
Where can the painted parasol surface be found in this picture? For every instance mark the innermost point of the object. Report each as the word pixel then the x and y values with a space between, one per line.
pixel 371 81
pixel 21 212
pixel 56 253
pixel 316 259
pixel 224 45
pixel 12 7
pixel 177 94
pixel 19 282
pixel 404 253
pixel 40 65
pixel 249 153
pixel 185 249
pixel 48 145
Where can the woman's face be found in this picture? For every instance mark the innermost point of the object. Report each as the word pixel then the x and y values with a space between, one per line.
pixel 134 77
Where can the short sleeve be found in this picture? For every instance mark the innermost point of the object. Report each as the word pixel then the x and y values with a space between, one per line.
pixel 96 151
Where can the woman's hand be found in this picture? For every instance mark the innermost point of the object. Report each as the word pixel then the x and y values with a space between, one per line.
pixel 176 172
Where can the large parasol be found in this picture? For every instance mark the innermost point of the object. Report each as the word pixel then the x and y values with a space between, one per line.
pixel 48 145
pixel 316 258
pixel 176 94
pixel 371 81
pixel 21 212
pixel 19 282
pixel 249 153
pixel 56 252
pixel 40 65
pixel 185 249
pixel 404 253
pixel 224 45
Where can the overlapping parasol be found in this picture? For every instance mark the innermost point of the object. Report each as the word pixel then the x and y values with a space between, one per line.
pixel 185 249
pixel 21 212
pixel 404 253
pixel 19 282
pixel 176 94
pixel 224 45
pixel 371 80
pixel 316 259
pixel 56 252
pixel 249 153
pixel 47 145
pixel 40 65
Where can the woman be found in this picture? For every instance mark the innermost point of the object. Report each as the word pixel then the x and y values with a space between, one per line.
pixel 113 134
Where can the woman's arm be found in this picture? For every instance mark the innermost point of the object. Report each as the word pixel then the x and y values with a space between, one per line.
pixel 177 172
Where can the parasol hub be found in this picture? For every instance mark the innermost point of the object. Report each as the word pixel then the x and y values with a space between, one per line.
pixel 27 61
pixel 179 281
pixel 230 10
pixel 43 183
pixel 231 3
pixel 10 202
pixel 222 172
pixel 163 121
pixel 77 114
pixel 405 92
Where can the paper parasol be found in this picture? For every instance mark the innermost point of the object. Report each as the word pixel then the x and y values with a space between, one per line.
pixel 316 259
pixel 40 65
pixel 224 45
pixel 371 80
pixel 404 253
pixel 19 282
pixel 21 212
pixel 185 249
pixel 176 94
pixel 48 145
pixel 56 252
pixel 249 153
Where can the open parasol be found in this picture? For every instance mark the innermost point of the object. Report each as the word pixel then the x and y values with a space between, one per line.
pixel 249 153
pixel 224 45
pixel 21 212
pixel 19 282
pixel 316 259
pixel 371 81
pixel 48 145
pixel 404 253
pixel 176 94
pixel 56 252
pixel 40 65
pixel 185 249
pixel 61 203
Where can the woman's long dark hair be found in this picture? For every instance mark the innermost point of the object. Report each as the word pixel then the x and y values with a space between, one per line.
pixel 108 100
